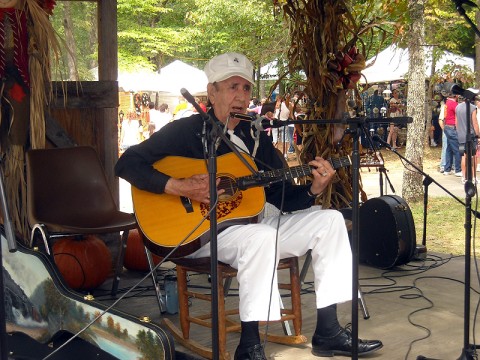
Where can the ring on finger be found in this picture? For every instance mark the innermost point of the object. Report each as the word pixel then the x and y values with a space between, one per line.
pixel 324 174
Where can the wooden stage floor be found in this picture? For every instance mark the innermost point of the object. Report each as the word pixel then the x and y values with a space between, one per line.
pixel 416 309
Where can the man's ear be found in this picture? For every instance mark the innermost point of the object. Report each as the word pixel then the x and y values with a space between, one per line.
pixel 211 93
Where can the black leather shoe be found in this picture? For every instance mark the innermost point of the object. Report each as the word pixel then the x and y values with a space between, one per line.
pixel 254 352
pixel 341 344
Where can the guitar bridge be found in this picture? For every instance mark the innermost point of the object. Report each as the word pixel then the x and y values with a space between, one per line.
pixel 187 204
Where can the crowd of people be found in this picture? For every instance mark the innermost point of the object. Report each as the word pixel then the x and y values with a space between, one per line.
pixel 140 123
pixel 448 127
pixel 286 107
pixel 453 121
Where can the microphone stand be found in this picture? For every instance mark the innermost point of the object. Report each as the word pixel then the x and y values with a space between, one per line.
pixel 354 128
pixel 212 137
pixel 12 247
pixel 468 351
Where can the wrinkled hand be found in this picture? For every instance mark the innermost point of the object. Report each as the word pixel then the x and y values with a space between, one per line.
pixel 195 187
pixel 323 174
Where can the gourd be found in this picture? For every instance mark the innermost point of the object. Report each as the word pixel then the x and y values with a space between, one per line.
pixel 135 258
pixel 84 262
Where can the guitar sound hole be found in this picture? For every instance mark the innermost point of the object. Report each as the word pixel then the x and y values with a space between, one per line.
pixel 229 184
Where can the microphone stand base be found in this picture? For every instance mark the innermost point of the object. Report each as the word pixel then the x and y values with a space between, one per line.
pixel 420 253
pixel 468 354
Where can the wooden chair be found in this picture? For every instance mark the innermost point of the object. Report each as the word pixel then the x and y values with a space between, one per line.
pixel 68 194
pixel 226 322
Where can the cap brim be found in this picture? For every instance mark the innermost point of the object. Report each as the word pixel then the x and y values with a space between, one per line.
pixel 232 74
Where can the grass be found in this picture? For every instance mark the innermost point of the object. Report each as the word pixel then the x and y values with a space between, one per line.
pixel 445 232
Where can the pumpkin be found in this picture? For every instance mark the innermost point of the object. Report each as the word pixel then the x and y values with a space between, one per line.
pixel 135 258
pixel 84 262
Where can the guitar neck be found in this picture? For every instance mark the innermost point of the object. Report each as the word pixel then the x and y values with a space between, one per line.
pixel 293 172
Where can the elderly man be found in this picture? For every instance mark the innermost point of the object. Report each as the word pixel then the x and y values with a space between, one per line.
pixel 255 249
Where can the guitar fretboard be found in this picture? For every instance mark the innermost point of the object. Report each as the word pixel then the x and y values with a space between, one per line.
pixel 293 172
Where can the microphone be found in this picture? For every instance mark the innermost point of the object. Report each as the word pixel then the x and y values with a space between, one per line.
pixel 260 123
pixel 457 90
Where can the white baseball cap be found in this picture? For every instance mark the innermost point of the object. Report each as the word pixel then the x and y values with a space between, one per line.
pixel 224 66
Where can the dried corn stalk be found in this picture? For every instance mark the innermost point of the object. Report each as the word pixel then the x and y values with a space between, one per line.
pixel 323 35
pixel 29 36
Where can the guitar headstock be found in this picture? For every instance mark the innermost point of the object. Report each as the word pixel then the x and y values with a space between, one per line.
pixel 340 162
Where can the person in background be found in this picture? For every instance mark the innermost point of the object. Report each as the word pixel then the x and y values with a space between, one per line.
pixel 131 131
pixel 153 116
pixel 450 129
pixel 182 105
pixel 188 111
pixel 254 108
pixel 254 249
pixel 283 114
pixel 395 110
pixel 461 124
pixel 435 127
pixel 268 111
pixel 201 104
pixel 441 123
pixel 164 116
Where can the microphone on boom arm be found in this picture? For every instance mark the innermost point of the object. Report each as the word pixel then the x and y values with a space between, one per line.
pixel 459 3
pixel 260 123
pixel 455 89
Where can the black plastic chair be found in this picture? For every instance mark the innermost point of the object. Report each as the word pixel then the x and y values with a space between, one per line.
pixel 68 194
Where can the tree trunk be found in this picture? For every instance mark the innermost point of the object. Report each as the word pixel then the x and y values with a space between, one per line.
pixel 70 40
pixel 412 182
pixel 93 35
pixel 477 51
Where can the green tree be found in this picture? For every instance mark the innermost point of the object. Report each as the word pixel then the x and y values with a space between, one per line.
pixel 445 28
pixel 151 32
pixel 75 23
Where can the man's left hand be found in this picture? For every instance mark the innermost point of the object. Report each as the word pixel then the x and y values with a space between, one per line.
pixel 323 174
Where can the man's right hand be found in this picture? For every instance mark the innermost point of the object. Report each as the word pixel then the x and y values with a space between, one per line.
pixel 195 187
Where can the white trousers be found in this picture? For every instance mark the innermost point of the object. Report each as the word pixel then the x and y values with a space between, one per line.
pixel 255 250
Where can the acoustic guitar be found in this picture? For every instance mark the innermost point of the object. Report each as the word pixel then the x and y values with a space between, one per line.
pixel 167 220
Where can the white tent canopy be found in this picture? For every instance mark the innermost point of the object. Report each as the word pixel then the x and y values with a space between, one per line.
pixel 269 71
pixel 171 79
pixel 178 75
pixel 392 64
pixel 138 81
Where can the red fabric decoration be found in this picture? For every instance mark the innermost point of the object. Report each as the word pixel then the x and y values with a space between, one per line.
pixel 47 5
pixel 18 21
pixel 17 93
pixel 339 68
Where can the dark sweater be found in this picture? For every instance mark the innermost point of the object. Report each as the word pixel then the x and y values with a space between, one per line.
pixel 183 137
